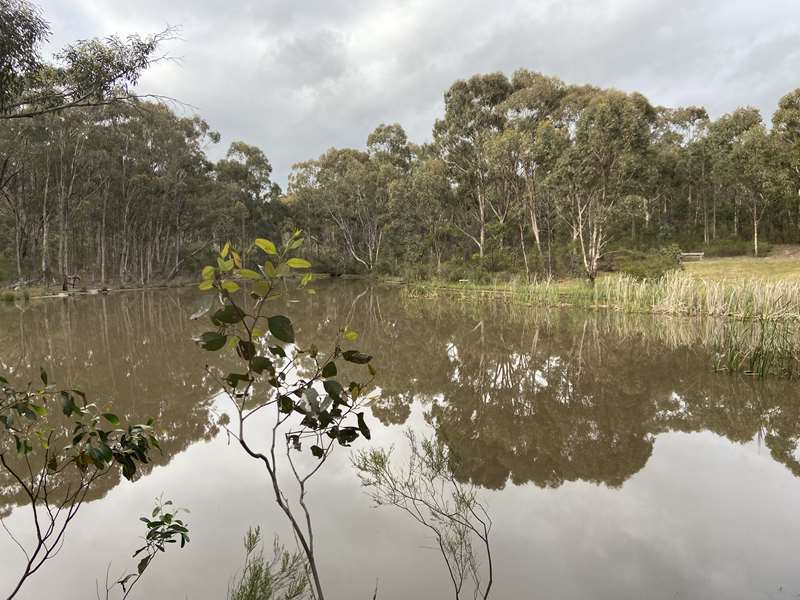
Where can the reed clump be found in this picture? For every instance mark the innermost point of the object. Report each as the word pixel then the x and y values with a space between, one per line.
pixel 679 294
pixel 763 349
pixel 675 293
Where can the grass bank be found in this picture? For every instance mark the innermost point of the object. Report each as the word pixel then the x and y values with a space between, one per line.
pixel 676 293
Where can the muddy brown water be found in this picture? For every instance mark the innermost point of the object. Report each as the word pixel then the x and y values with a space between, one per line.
pixel 614 462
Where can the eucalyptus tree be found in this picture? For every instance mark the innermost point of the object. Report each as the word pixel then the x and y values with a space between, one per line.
pixel 676 178
pixel 296 388
pixel 349 200
pixel 429 203
pixel 472 116
pixel 245 175
pixel 724 135
pixel 755 158
pixel 89 72
pixel 786 127
pixel 56 462
pixel 600 168
pixel 532 111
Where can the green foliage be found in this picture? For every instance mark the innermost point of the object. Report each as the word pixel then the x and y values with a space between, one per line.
pixel 5 268
pixel 428 491
pixel 55 446
pixel 734 247
pixel 282 577
pixel 242 327
pixel 163 527
pixel 300 388
pixel 458 271
pixel 651 265
pixel 27 418
pixel 88 72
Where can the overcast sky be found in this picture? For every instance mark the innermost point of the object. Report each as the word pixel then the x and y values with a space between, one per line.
pixel 296 77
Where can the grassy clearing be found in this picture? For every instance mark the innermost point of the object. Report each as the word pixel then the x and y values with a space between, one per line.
pixel 744 268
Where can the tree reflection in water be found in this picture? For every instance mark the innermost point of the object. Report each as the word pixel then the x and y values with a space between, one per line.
pixel 528 395
pixel 519 395
pixel 132 352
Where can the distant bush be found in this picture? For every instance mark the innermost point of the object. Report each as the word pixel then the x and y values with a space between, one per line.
pixel 499 260
pixel 13 296
pixel 419 271
pixel 458 270
pixel 733 247
pixel 650 265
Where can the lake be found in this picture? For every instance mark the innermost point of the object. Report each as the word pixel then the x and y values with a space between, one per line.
pixel 613 460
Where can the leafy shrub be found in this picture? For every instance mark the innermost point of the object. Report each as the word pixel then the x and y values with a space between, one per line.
pixel 458 270
pixel 419 271
pixel 500 259
pixel 13 295
pixel 650 265
pixel 734 247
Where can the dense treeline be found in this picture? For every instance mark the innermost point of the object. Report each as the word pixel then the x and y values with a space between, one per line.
pixel 123 193
pixel 536 176
pixel 527 175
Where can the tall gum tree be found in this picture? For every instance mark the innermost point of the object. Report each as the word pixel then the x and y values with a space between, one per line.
pixel 472 116
pixel 786 127
pixel 601 166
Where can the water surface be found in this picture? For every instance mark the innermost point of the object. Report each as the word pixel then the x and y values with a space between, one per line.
pixel 614 462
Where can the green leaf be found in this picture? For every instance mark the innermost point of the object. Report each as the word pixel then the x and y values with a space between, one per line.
pixel 329 370
pixel 143 564
pixel 347 435
pixel 350 335
pixel 111 418
pixel 208 272
pixel 225 265
pixel 211 340
pixel 354 356
pixel 362 426
pixel 285 404
pixel 261 288
pixel 249 274
pixel 259 364
pixel 68 403
pixel 246 350
pixel 225 249
pixel 40 411
pixel 281 328
pixel 266 246
pixel 206 285
pixel 230 286
pixel 228 314
pixel 298 263
pixel 334 389
pixel 317 451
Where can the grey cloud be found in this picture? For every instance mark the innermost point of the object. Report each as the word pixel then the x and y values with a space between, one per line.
pixel 299 77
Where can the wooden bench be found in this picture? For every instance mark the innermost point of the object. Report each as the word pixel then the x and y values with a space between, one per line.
pixel 692 255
